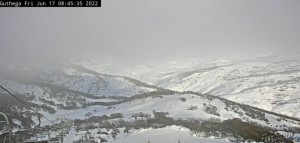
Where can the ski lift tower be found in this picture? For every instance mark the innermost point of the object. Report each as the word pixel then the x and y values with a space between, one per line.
pixel 8 127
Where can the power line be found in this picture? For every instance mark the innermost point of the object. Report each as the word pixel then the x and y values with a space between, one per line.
pixel 23 103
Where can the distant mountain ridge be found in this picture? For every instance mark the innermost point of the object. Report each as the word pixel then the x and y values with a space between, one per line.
pixel 270 82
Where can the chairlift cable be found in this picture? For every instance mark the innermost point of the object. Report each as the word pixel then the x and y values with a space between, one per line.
pixel 24 103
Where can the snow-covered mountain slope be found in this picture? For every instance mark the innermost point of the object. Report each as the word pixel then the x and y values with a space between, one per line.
pixel 270 82
pixel 54 87
pixel 73 79
pixel 62 89
pixel 172 134
pixel 185 105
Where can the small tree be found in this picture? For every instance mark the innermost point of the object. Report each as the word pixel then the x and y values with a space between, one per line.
pixel 115 132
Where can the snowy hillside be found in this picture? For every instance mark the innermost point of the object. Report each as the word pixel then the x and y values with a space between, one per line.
pixel 117 103
pixel 175 107
pixel 184 106
pixel 74 79
pixel 172 134
pixel 270 82
pixel 54 87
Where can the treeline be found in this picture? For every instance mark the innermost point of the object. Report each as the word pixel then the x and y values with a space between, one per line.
pixel 212 127
pixel 134 97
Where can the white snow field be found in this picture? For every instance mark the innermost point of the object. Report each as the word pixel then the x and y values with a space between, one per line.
pixel 172 134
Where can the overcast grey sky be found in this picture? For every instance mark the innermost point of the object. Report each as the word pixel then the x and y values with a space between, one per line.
pixel 126 28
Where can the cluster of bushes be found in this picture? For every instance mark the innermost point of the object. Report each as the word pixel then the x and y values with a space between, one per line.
pixel 254 114
pixel 86 124
pixel 29 97
pixel 211 109
pixel 182 99
pixel 47 101
pixel 193 108
pixel 48 109
pixel 141 115
pixel 70 106
pixel 249 111
pixel 116 115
